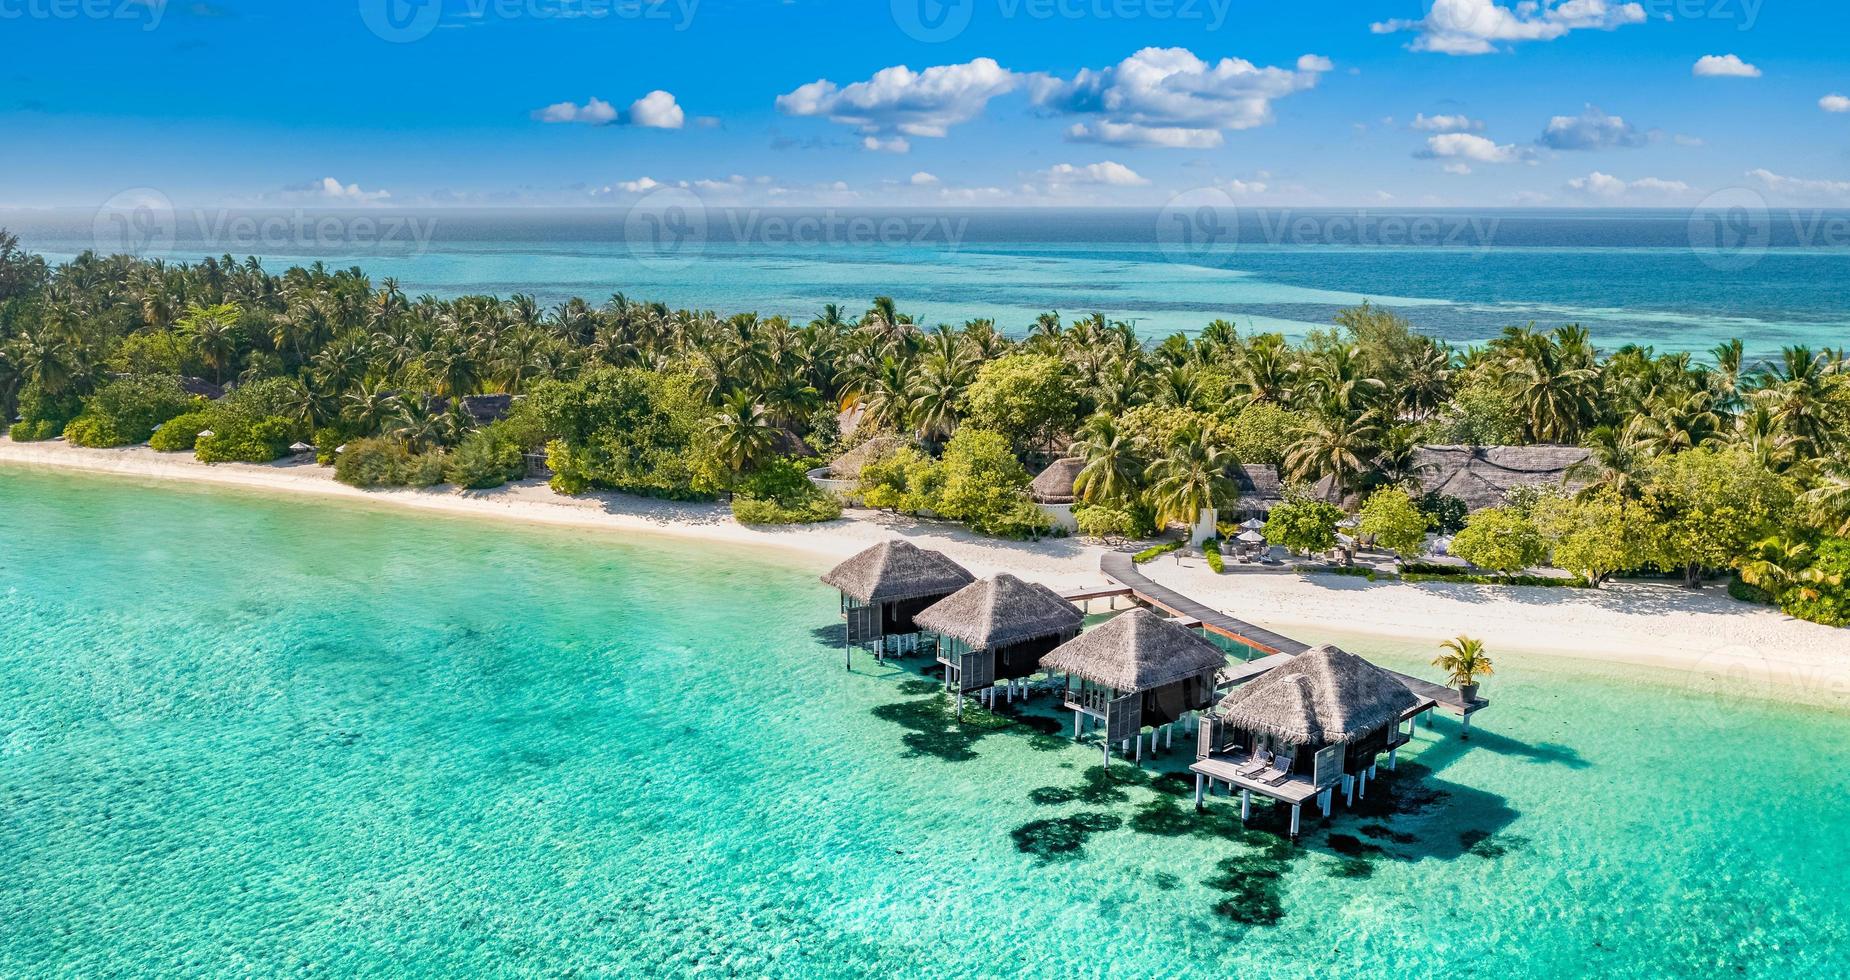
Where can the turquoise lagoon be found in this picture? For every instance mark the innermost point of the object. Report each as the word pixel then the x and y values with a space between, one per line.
pixel 241 735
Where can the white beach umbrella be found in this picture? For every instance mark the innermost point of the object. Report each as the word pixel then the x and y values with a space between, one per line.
pixel 1252 537
pixel 1253 524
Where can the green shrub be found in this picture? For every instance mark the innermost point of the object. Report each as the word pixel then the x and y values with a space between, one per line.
pixel 985 487
pixel 94 433
pixel 237 440
pixel 1210 549
pixel 181 433
pixel 1303 525
pixel 781 493
pixel 1826 601
pixel 1149 555
pixel 35 430
pixel 125 411
pixel 1749 593
pixel 1500 540
pixel 369 463
pixel 484 459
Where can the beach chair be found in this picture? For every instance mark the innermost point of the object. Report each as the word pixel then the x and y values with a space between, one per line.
pixel 1260 761
pixel 1278 773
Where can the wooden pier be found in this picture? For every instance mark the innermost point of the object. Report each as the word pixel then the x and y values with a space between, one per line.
pixel 1277 648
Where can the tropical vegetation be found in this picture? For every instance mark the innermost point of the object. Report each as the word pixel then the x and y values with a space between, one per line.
pixel 1695 460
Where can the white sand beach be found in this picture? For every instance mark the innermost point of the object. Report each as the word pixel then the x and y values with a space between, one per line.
pixel 1652 624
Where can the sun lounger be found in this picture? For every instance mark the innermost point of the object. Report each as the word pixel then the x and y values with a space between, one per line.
pixel 1255 766
pixel 1272 777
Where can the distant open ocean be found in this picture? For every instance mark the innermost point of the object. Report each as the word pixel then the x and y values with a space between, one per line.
pixel 1650 277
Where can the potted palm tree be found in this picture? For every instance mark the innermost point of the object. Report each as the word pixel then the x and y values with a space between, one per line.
pixel 1465 660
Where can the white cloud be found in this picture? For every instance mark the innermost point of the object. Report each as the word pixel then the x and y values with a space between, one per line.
pixel 1446 124
pixel 1240 188
pixel 1460 169
pixel 1609 188
pixel 1835 103
pixel 899 100
pixel 1723 66
pixel 1469 147
pixel 1800 187
pixel 897 144
pixel 329 189
pixel 595 112
pixel 1167 97
pixel 923 179
pixel 1476 26
pixel 657 110
pixel 1591 130
pixel 640 185
pixel 1106 173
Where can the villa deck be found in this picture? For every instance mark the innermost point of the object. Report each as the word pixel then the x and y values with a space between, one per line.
pixel 1279 649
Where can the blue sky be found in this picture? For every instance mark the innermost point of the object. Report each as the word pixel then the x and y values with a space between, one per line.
pixel 1006 102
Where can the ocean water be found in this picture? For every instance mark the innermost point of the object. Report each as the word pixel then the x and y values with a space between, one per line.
pixel 1664 278
pixel 278 737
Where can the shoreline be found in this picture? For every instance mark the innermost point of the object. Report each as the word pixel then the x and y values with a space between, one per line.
pixel 1713 639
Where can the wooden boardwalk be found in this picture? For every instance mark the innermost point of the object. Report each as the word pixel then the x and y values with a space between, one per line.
pixel 1277 648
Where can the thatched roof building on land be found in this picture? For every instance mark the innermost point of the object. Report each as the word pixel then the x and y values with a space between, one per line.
pixel 848 465
pixel 1260 488
pixel 1483 476
pixel 884 587
pixel 1055 485
pixel 1136 670
pixel 998 629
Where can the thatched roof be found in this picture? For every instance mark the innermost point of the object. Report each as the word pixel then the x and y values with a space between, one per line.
pixel 1322 697
pixel 848 465
pixel 1136 651
pixel 1001 611
pixel 1259 486
pixel 897 570
pixel 1483 476
pixel 1055 484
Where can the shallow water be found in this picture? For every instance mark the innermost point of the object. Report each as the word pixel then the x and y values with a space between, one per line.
pixel 239 734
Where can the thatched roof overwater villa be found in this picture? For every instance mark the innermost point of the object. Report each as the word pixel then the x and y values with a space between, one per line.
pixel 885 587
pixel 1305 729
pixel 1282 720
pixel 1136 671
pixel 998 630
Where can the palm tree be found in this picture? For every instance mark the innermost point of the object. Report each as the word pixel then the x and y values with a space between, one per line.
pixel 1782 563
pixel 1465 661
pixel 1192 476
pixel 1113 462
pixel 1617 463
pixel 742 433
pixel 1332 445
pixel 1673 423
pixel 1830 500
